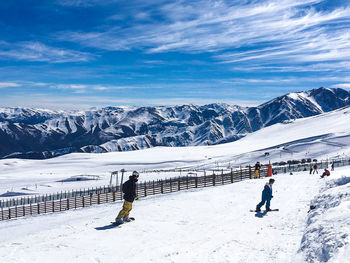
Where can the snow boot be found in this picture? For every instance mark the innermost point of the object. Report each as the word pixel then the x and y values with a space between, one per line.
pixel 119 221
pixel 257 209
pixel 126 219
pixel 268 209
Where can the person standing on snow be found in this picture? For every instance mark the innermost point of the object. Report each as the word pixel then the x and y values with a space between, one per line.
pixel 129 190
pixel 315 169
pixel 257 169
pixel 266 196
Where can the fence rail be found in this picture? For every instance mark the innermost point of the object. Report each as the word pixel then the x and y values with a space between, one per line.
pixel 84 198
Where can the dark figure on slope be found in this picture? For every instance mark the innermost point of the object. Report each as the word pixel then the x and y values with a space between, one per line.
pixel 257 169
pixel 266 196
pixel 129 190
pixel 325 173
pixel 332 166
pixel 315 169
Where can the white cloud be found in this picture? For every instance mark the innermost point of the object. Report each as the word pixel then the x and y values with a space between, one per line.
pixel 9 85
pixel 342 85
pixel 294 31
pixel 36 51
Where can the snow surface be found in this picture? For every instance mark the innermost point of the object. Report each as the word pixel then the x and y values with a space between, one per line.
pixel 324 136
pixel 203 225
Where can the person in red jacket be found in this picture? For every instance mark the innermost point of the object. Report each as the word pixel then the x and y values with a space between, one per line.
pixel 325 173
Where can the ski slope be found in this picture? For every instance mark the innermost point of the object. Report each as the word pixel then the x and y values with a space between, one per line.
pixel 324 136
pixel 203 225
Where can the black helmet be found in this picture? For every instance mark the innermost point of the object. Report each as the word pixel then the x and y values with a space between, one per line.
pixel 135 174
pixel 271 181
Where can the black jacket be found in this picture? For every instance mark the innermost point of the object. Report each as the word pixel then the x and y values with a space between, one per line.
pixel 257 166
pixel 129 190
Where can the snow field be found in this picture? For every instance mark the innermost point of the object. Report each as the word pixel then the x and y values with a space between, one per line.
pixel 327 234
pixel 324 136
pixel 203 225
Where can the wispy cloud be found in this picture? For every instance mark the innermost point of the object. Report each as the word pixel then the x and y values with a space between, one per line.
pixel 283 31
pixel 342 85
pixel 9 85
pixel 99 87
pixel 81 3
pixel 36 51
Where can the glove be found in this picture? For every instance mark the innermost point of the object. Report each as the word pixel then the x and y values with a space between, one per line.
pixel 136 198
pixel 271 196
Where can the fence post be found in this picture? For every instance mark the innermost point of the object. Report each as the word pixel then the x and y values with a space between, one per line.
pixel 30 207
pixel 24 211
pixel 231 175
pixel 61 203
pixel 2 213
pixel 187 181
pixel 75 202
pixel 38 208
pixel 53 206
pixel 250 172
pixel 196 181
pixel 145 188
pixel 179 184
pixel 171 186
pixel 98 198
pixel 240 167
pixel 222 176
pixel 45 206
pixel 153 188
pixel 113 197
pixel 68 203
pixel 161 186
pixel 83 200
pixel 213 178
pixel 9 212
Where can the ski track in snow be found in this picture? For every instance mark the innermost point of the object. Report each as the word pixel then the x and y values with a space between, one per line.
pixel 204 225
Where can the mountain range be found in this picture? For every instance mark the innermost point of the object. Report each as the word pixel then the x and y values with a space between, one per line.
pixel 40 133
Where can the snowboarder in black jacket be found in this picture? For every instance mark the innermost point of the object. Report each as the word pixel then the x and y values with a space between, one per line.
pixel 266 196
pixel 129 190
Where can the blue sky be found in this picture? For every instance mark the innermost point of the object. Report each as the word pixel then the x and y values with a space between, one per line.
pixel 65 54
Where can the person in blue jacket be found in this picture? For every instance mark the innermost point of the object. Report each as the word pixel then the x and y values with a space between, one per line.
pixel 266 196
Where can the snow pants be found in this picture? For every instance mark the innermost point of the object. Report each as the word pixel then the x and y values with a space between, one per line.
pixel 263 202
pixel 256 174
pixel 127 206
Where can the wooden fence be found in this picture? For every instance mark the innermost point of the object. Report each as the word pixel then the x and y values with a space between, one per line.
pixel 43 204
pixel 79 199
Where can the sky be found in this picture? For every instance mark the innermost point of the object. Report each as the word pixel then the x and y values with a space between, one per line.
pixel 75 54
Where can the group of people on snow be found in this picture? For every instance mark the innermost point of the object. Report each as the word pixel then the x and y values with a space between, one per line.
pixel 129 190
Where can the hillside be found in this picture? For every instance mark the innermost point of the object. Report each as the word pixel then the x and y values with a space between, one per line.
pixel 40 134
pixel 324 136
pixel 207 225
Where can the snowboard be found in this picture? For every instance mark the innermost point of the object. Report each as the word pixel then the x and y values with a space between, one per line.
pixel 119 224
pixel 263 211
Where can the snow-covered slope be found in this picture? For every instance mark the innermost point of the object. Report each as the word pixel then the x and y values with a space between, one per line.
pixel 38 134
pixel 206 225
pixel 324 136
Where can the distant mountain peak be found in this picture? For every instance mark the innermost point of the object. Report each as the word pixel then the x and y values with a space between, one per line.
pixel 40 133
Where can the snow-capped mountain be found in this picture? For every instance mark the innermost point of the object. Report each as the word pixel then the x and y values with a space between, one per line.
pixel 38 133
